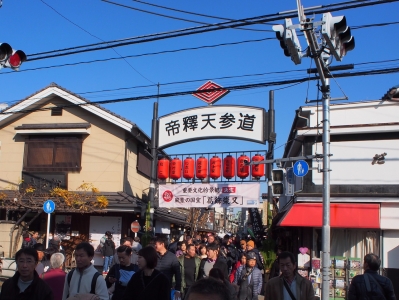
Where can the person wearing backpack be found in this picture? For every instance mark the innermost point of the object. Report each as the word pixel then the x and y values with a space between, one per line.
pixel 371 285
pixel 85 278
pixel 120 273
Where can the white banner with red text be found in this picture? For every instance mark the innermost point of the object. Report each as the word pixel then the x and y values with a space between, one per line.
pixel 209 195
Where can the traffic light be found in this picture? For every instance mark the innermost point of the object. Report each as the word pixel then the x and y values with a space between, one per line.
pixel 289 41
pixel 10 58
pixel 337 35
pixel 278 182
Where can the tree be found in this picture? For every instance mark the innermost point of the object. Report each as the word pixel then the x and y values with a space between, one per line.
pixel 86 198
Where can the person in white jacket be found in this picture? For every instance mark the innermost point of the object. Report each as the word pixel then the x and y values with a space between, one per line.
pixel 83 279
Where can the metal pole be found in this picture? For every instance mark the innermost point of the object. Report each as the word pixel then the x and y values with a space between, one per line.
pixel 154 137
pixel 325 231
pixel 270 152
pixel 48 230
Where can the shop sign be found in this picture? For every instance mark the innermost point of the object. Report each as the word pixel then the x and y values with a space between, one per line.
pixel 256 220
pixel 209 195
pixel 213 122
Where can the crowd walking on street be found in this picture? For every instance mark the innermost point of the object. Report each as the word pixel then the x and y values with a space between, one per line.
pixel 200 268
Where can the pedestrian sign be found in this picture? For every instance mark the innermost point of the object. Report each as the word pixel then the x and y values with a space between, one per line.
pixel 49 206
pixel 301 168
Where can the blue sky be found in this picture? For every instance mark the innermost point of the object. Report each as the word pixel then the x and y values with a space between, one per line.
pixel 34 27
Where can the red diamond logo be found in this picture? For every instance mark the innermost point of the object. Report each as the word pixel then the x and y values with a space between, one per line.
pixel 212 92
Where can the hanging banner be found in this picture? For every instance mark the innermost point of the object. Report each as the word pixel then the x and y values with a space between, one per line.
pixel 256 220
pixel 209 195
pixel 213 122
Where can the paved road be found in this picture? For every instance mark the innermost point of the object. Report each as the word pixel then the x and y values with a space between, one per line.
pixel 261 297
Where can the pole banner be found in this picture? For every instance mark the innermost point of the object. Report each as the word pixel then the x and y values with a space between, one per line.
pixel 187 195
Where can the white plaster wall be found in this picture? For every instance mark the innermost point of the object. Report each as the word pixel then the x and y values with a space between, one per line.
pixel 351 162
pixel 367 112
pixel 389 215
pixel 390 254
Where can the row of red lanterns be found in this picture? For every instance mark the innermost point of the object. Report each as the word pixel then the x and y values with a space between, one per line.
pixel 173 168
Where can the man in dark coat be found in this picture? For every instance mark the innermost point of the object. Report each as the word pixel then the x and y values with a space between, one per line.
pixel 214 260
pixel 378 287
pixel 26 284
pixel 168 264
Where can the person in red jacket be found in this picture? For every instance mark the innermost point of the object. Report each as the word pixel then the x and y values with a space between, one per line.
pixel 55 276
pixel 242 260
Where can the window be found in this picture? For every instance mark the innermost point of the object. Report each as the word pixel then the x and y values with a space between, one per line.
pixel 144 163
pixel 56 111
pixel 53 154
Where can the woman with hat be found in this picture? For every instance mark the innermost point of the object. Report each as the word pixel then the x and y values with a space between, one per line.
pixel 249 279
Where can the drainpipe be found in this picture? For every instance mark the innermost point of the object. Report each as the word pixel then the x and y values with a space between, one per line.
pixel 13 228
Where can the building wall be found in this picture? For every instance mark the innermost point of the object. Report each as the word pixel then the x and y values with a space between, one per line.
pixel 351 162
pixel 103 151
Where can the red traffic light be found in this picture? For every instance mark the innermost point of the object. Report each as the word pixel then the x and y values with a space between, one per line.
pixel 16 59
pixel 10 58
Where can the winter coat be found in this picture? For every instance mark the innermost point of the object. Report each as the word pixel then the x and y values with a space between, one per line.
pixel 256 278
pixel 197 266
pixel 220 263
pixel 357 289
pixel 158 287
pixel 37 290
pixel 274 288
pixel 168 265
pixel 81 284
pixel 108 248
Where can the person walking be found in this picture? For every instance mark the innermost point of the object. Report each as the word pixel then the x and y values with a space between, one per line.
pixel 108 251
pixel 55 276
pixel 218 274
pixel 371 285
pixel 133 257
pixel 189 268
pixel 168 264
pixel 249 279
pixel 207 289
pixel 85 278
pixel 26 283
pixel 120 273
pixel 136 245
pixel 260 262
pixel 289 284
pixel 213 260
pixel 148 282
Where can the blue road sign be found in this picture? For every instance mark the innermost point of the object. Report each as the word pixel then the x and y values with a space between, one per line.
pixel 301 168
pixel 48 206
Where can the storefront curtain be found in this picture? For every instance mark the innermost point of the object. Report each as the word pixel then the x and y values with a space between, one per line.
pixel 354 242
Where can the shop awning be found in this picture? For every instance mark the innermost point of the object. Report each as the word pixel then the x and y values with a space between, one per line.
pixel 341 215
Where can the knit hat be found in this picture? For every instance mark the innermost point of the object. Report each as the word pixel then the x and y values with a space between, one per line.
pixel 243 242
pixel 251 243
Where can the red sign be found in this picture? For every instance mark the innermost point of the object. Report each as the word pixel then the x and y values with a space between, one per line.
pixel 211 97
pixel 135 226
pixel 228 189
pixel 167 196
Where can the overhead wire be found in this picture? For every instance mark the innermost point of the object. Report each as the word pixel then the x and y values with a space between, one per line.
pixel 203 29
pixel 81 28
pixel 231 88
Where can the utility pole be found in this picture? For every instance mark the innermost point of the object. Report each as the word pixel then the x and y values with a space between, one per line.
pixel 270 152
pixel 337 41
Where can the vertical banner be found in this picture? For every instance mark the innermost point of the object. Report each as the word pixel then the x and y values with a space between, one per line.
pixel 256 220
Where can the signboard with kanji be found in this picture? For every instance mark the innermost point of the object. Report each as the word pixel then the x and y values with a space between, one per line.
pixel 213 122
pixel 209 195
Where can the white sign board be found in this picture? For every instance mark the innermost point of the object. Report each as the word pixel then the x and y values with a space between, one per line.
pixel 209 195
pixel 213 122
pixel 98 226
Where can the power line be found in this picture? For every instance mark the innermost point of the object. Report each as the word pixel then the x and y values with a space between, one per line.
pixel 81 28
pixel 231 88
pixel 205 28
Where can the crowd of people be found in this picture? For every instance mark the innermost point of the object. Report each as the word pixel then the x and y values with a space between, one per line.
pixel 196 268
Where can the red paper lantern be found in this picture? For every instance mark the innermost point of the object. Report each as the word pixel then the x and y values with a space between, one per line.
pixel 242 169
pixel 188 168
pixel 201 170
pixel 175 169
pixel 258 171
pixel 215 167
pixel 163 168
pixel 229 163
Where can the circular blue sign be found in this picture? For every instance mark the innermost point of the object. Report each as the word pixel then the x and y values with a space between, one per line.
pixel 48 206
pixel 301 168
